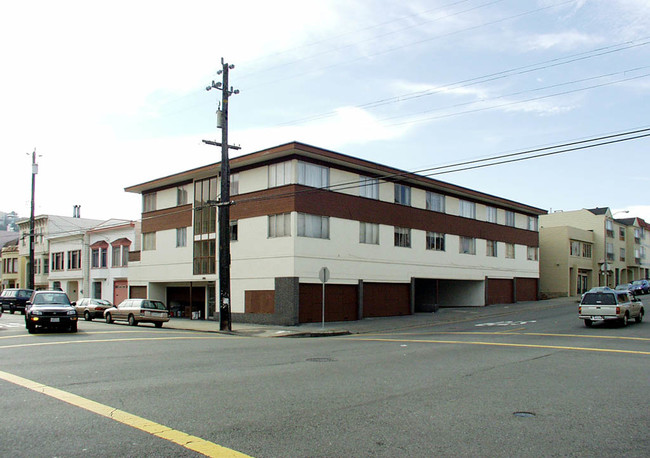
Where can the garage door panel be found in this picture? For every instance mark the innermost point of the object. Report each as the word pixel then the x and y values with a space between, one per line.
pixel 386 299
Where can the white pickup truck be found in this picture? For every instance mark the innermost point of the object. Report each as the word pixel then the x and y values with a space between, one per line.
pixel 608 304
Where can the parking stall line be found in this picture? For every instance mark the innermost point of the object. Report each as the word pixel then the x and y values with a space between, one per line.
pixel 187 441
pixel 123 339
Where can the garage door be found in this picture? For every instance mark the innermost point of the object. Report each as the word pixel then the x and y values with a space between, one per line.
pixel 526 289
pixel 340 303
pixel 500 291
pixel 386 299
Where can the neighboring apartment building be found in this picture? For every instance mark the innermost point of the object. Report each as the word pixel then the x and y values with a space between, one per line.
pixel 584 248
pixel 63 261
pixel 110 245
pixel 395 242
pixel 11 266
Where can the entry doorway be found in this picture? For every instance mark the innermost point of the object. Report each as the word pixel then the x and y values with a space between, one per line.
pixel 583 283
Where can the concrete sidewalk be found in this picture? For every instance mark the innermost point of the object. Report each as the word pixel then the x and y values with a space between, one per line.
pixel 371 325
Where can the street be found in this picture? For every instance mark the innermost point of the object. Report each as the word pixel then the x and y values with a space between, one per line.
pixel 521 383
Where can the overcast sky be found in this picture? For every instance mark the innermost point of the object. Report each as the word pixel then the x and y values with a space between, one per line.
pixel 112 94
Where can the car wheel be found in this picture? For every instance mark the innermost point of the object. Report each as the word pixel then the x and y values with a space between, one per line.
pixel 109 318
pixel 132 321
pixel 87 316
pixel 22 312
pixel 30 328
pixel 11 310
pixel 639 317
pixel 588 323
pixel 158 324
pixel 73 327
pixel 625 320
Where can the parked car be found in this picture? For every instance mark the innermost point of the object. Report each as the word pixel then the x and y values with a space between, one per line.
pixel 138 311
pixel 50 309
pixel 624 287
pixel 91 308
pixel 610 305
pixel 13 299
pixel 643 285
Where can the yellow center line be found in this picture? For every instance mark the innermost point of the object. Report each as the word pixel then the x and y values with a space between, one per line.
pixel 187 441
pixel 514 333
pixel 501 344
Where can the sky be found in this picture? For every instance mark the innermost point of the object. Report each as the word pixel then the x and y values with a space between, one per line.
pixel 113 94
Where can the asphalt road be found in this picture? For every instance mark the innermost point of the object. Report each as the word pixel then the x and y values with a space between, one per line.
pixel 534 383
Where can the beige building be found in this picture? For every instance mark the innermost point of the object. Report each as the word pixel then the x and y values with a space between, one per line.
pixel 11 266
pixel 585 248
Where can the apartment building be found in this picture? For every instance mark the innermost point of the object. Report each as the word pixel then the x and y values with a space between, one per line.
pixel 395 243
pixel 10 263
pixel 64 261
pixel 584 248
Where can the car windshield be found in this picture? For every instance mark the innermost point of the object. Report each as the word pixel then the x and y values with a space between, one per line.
pixel 24 294
pixel 637 282
pixel 51 298
pixel 599 299
pixel 9 293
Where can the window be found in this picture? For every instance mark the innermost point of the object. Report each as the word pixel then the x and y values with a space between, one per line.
pixel 575 248
pixel 313 226
pixel 280 225
pixel 532 223
pixel 204 257
pixel 94 258
pixel 37 266
pixel 280 174
pixel 125 255
pixel 609 228
pixel 313 175
pixel 403 237
pixel 532 253
pixel 435 202
pixel 510 250
pixel 205 214
pixel 149 202
pixel 116 256
pixel 467 209
pixel 57 261
pixel 435 241
pixel 510 218
pixel 491 214
pixel 586 250
pixel 368 187
pixel 491 248
pixel 74 260
pixel 181 195
pixel 621 233
pixel 610 251
pixel 234 184
pixel 369 233
pixel 148 241
pixel 622 254
pixel 402 194
pixel 467 245
pixel 181 237
pixel 234 231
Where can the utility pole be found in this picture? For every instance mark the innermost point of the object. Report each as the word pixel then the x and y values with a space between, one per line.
pixel 223 207
pixel 30 273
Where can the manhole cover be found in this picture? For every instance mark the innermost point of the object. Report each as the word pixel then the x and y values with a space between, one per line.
pixel 524 414
pixel 320 360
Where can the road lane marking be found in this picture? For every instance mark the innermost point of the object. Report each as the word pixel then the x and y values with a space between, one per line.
pixel 513 332
pixel 187 441
pixel 501 344
pixel 125 339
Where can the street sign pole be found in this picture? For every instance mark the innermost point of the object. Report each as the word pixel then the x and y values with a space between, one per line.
pixel 324 276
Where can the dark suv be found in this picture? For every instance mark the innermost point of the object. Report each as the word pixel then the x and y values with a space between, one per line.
pixel 13 299
pixel 50 309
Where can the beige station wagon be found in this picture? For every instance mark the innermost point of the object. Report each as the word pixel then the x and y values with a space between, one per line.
pixel 138 311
